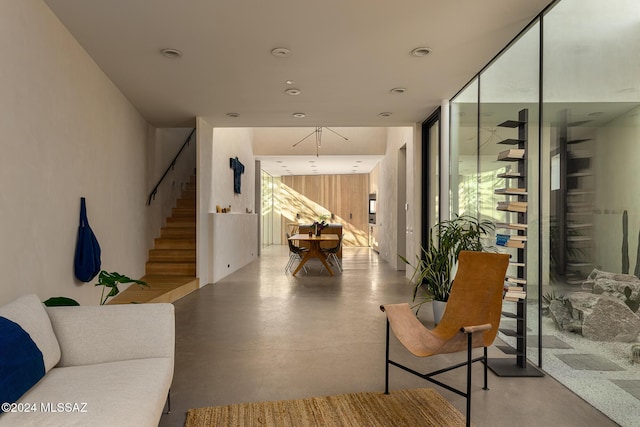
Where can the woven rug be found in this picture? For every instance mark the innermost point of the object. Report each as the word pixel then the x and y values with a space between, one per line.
pixel 419 407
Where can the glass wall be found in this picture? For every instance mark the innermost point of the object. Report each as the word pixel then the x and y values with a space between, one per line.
pixel 590 152
pixel 509 121
pixel 577 227
pixel 268 209
pixel 463 136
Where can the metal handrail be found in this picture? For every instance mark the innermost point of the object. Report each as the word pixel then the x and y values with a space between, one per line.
pixel 152 195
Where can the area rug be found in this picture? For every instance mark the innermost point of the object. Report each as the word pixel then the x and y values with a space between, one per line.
pixel 419 407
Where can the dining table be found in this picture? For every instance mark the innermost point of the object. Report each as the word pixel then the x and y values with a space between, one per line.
pixel 314 248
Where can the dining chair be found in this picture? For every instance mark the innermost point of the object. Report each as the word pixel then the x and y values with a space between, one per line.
pixel 295 254
pixel 470 320
pixel 332 254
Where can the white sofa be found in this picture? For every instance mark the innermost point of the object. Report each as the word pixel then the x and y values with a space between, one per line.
pixel 104 365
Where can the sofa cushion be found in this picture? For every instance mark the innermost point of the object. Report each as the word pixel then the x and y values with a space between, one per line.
pixel 21 363
pixel 126 393
pixel 29 313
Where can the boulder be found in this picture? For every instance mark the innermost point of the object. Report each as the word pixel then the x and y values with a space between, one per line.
pixel 561 315
pixel 623 287
pixel 596 317
pixel 611 320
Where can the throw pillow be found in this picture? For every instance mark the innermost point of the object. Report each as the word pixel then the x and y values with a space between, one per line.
pixel 21 362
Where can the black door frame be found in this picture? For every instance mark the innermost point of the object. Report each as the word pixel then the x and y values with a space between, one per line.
pixel 426 195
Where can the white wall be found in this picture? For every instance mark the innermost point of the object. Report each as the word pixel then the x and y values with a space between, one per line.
pixel 66 132
pixel 204 250
pixel 163 145
pixel 386 216
pixel 215 187
pixel 230 143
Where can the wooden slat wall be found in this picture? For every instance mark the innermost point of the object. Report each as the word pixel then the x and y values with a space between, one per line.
pixel 346 196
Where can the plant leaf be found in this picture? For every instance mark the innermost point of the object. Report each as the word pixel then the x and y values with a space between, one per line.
pixel 60 302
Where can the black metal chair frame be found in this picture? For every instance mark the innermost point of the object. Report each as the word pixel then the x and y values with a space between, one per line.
pixel 428 376
pixel 331 254
pixel 295 252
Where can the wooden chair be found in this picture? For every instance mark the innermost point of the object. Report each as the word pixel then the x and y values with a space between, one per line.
pixel 470 320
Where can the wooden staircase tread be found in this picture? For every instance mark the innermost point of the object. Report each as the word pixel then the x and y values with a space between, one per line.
pixel 161 289
pixel 171 267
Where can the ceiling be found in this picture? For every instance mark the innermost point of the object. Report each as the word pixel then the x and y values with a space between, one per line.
pixel 345 56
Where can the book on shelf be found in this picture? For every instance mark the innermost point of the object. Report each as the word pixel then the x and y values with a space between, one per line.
pixel 511 240
pixel 508 288
pixel 511 190
pixel 512 206
pixel 514 295
pixel 512 226
pixel 518 294
pixel 511 244
pixel 516 280
pixel 511 154
pixel 506 237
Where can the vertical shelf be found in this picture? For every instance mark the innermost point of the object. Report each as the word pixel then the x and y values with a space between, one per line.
pixel 514 235
pixel 574 210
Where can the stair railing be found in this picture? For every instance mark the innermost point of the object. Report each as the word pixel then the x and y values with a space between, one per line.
pixel 152 195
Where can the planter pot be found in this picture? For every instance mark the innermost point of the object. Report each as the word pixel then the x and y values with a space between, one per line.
pixel 438 310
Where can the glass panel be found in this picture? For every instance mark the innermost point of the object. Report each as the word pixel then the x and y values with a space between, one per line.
pixel 508 179
pixel 464 152
pixel 590 204
pixel 267 209
pixel 434 173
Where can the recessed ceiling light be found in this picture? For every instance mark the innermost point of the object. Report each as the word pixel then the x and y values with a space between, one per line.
pixel 278 161
pixel 385 114
pixel 312 161
pixel 299 115
pixel 421 51
pixel 234 115
pixel 398 90
pixel 293 92
pixel 358 161
pixel 281 52
pixel 284 166
pixel 171 53
pixel 289 82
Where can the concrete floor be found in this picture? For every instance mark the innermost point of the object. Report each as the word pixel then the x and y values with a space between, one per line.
pixel 262 335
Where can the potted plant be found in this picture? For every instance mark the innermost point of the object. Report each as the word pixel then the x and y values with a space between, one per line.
pixel 112 280
pixel 435 265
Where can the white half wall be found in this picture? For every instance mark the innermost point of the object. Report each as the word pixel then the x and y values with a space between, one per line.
pixel 235 242
pixel 217 250
pixel 67 132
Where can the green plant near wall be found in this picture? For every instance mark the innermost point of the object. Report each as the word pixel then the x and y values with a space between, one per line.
pixel 111 281
pixel 61 302
pixel 435 263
